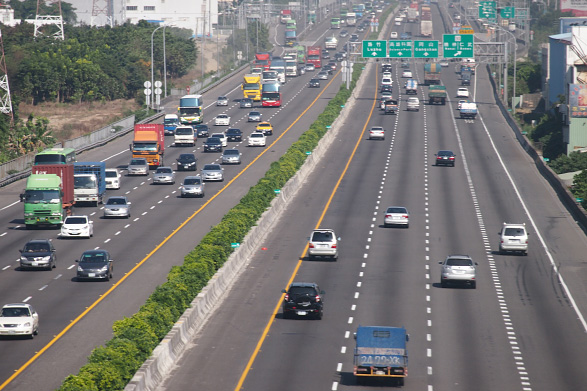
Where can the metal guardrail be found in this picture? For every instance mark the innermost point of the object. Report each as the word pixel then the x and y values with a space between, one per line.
pixel 20 167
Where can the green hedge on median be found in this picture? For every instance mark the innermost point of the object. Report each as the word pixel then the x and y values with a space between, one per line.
pixel 112 366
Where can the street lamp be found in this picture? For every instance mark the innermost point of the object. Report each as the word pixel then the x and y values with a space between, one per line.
pixel 515 67
pixel 152 64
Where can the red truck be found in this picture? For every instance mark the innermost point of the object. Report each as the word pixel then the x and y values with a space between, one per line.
pixel 285 16
pixel 149 142
pixel 262 60
pixel 315 56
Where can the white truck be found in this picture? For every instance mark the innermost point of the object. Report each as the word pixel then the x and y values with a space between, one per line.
pixel 184 135
pixel 291 68
pixel 330 42
pixel 468 110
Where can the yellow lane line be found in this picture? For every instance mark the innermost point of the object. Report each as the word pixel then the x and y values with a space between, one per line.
pixel 299 263
pixel 109 291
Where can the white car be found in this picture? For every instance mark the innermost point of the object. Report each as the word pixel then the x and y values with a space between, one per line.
pixel 396 215
pixel 413 104
pixel 19 319
pixel 407 73
pixel 257 139
pixel 393 35
pixel 462 92
pixel 77 227
pixel 113 178
pixel 376 132
pixel 460 104
pixel 386 81
pixel 222 138
pixel 386 74
pixel 222 119
pixel 222 101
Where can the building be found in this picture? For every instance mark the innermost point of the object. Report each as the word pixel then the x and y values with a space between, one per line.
pixel 200 16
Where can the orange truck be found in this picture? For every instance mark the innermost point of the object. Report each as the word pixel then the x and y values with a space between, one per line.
pixel 149 143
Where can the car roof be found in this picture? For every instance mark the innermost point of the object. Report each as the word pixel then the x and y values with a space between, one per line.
pixel 95 252
pixel 186 155
pixel 211 165
pixel 303 285
pixel 16 305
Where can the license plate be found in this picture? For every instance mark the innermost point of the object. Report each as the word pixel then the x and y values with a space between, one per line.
pixel 35 263
pixel 396 217
pixel 515 240
pixel 380 372
pixel 302 312
pixel 91 274
pixel 459 272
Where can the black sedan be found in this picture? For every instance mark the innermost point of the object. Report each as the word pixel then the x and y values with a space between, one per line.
pixel 186 162
pixel 202 130
pixel 234 134
pixel 213 144
pixel 95 264
pixel 314 83
pixel 445 158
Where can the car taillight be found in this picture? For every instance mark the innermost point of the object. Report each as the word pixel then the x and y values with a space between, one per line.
pixel 311 245
pixel 387 216
pixel 318 298
pixel 333 246
pixel 286 298
pixel 405 216
pixel 452 158
pixel 438 157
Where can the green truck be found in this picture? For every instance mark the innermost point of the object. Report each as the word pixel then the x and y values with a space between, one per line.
pixel 48 196
pixel 432 73
pixel 437 95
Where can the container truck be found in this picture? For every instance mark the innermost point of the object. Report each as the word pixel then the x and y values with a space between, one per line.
pixel 411 87
pixel 291 68
pixel 279 67
pixel 390 106
pixel 290 38
pixel 301 54
pixel 48 196
pixel 425 28
pixel 252 86
pixel 284 16
pixel 437 95
pixel 89 182
pixel 262 60
pixel 149 143
pixel 468 110
pixel 413 13
pixel 432 73
pixel 315 56
pixel 381 351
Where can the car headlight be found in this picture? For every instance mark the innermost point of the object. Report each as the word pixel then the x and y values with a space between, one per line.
pixel 80 269
pixel 23 259
pixel 26 324
pixel 47 258
pixel 104 268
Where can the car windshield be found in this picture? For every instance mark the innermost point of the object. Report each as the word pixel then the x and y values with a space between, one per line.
pixel 93 258
pixel 211 167
pixel 254 113
pixel 221 98
pixel 514 232
pixel 36 248
pixel 396 210
pixel 138 162
pixel 15 312
pixel 214 140
pixel 256 134
pixel 231 152
pixel 322 237
pixel 188 158
pixel 192 181
pixel 201 127
pixel 75 220
pixel 163 171
pixel 184 131
pixel 458 262
pixel 302 291
pixel 233 131
pixel 116 201
pixel 445 153
pixel 111 174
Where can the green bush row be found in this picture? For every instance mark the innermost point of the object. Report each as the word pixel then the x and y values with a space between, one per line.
pixel 112 366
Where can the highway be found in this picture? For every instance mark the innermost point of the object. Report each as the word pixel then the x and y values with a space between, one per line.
pixel 519 330
pixel 75 317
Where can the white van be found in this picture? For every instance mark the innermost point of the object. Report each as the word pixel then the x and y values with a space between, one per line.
pixel 185 135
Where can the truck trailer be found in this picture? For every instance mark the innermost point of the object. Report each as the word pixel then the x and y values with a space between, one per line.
pixel 381 351
pixel 432 73
pixel 48 197
pixel 437 95
pixel 315 56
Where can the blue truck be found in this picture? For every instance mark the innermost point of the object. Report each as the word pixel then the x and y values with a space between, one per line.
pixel 89 182
pixel 381 351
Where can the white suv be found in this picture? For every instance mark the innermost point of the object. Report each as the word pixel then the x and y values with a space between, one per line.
pixel 462 92
pixel 323 243
pixel 513 237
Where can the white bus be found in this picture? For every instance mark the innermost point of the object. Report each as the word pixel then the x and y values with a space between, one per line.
pixel 351 19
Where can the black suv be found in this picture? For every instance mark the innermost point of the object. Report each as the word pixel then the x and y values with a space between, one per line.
pixel 303 299
pixel 38 253
pixel 314 83
pixel 234 134
pixel 186 161
pixel 202 130
pixel 213 144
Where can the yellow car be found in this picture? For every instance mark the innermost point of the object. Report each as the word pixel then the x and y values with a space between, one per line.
pixel 265 127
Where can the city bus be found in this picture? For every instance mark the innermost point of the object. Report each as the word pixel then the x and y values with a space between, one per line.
pixel 271 99
pixel 55 156
pixel 335 23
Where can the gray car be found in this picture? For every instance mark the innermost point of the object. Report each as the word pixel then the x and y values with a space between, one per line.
pixel 246 102
pixel 164 175
pixel 322 75
pixel 192 186
pixel 213 172
pixel 231 156
pixel 117 206
pixel 38 253
pixel 458 269
pixel 254 116
pixel 95 264
pixel 138 166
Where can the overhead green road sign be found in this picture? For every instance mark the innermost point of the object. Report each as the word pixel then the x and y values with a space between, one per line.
pixel 400 49
pixel 374 49
pixel 487 9
pixel 508 12
pixel 425 49
pixel 458 45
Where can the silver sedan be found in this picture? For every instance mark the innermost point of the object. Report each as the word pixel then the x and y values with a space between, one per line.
pixel 396 215
pixel 254 116
pixel 164 175
pixel 193 186
pixel 213 172
pixel 231 156
pixel 117 206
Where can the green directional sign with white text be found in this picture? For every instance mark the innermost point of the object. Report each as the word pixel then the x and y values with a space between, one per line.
pixel 458 45
pixel 374 49
pixel 400 49
pixel 487 10
pixel 425 49
pixel 508 12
